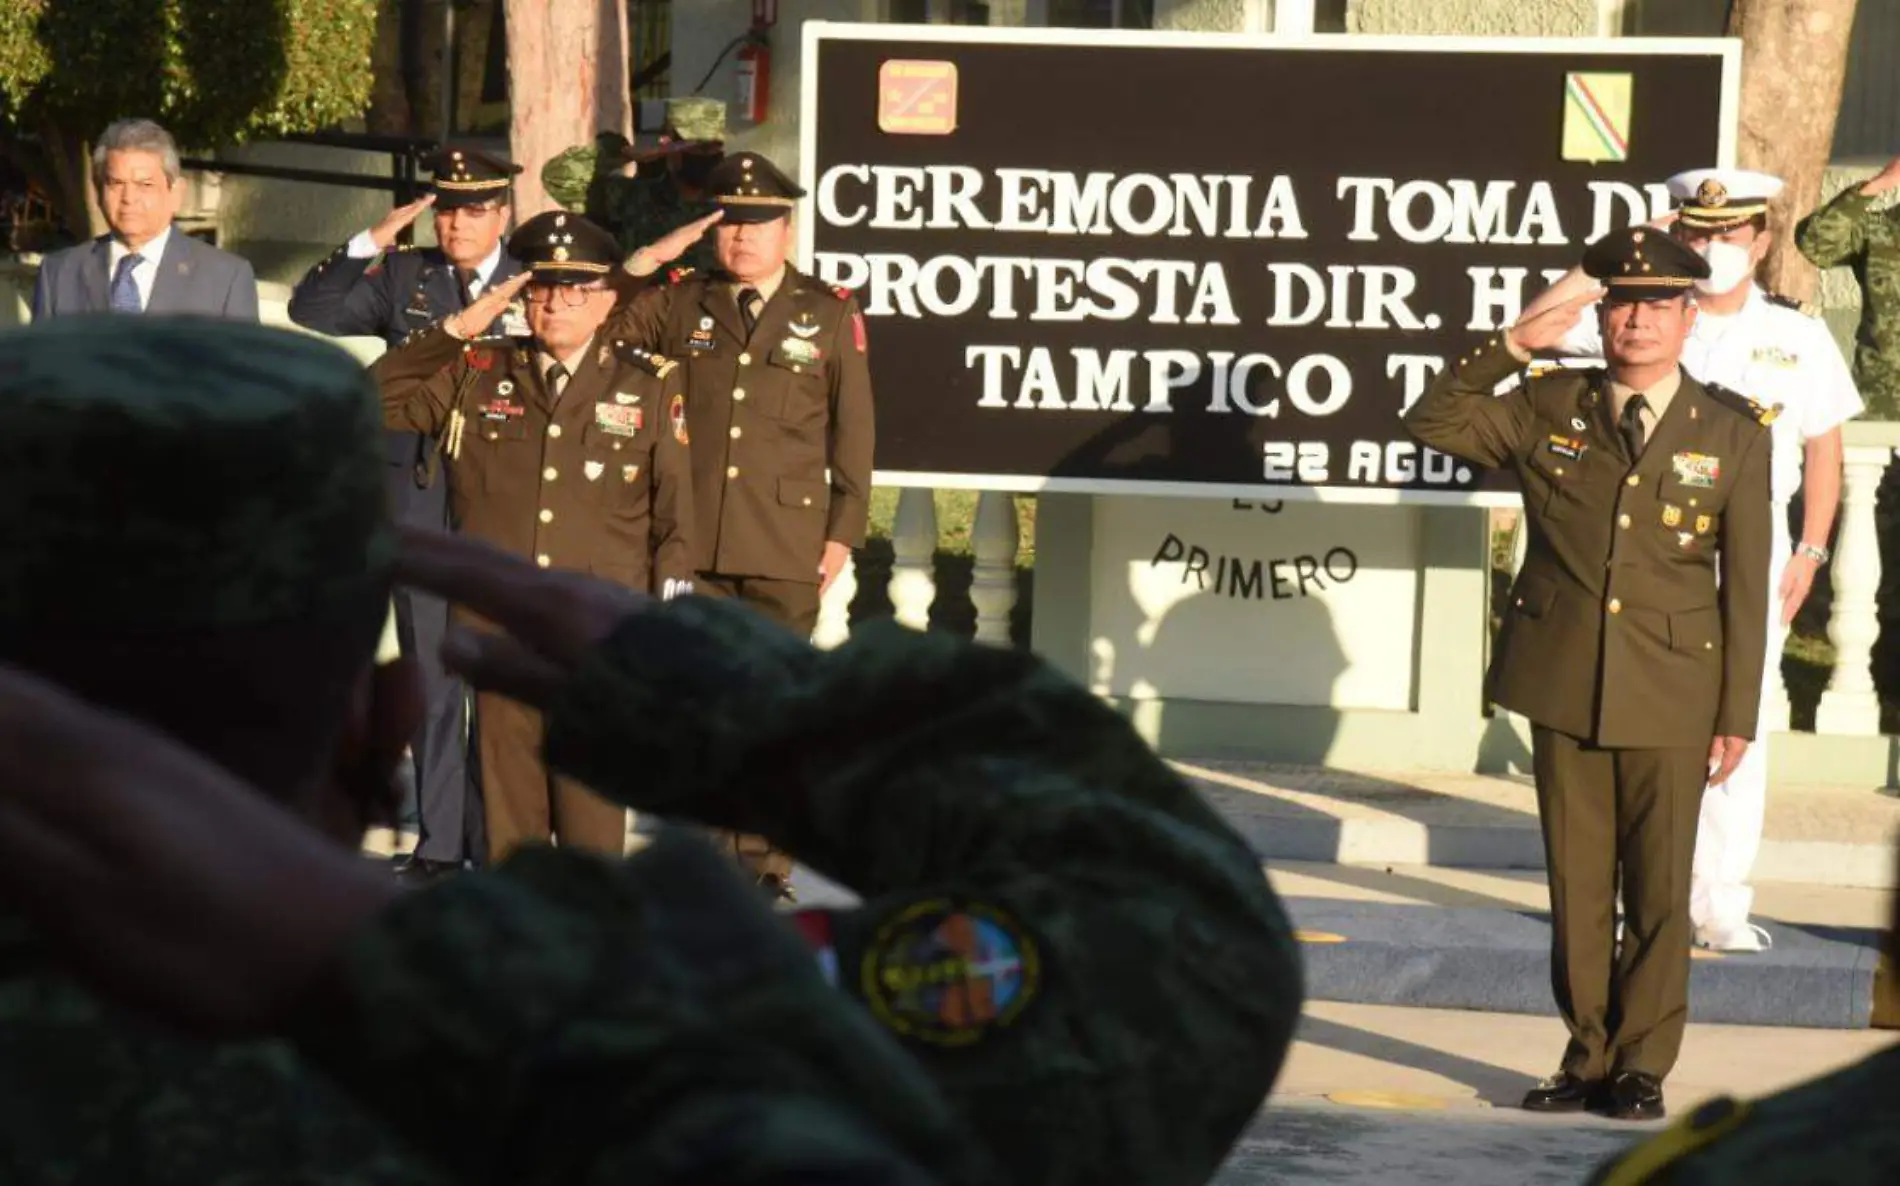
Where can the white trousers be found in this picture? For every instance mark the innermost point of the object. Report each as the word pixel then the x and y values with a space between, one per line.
pixel 1728 832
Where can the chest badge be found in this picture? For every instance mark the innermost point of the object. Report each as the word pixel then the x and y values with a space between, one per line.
pixel 800 352
pixel 1703 523
pixel 1697 469
pixel 701 338
pixel 619 419
pixel 629 472
pixel 1572 447
pixel 626 397
pixel 1774 356
pixel 806 326
pixel 1577 424
pixel 593 470
pixel 1672 516
pixel 1685 539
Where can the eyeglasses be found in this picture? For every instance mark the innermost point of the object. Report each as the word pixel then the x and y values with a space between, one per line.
pixel 571 294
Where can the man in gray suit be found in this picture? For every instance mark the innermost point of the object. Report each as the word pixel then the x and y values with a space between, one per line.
pixel 144 265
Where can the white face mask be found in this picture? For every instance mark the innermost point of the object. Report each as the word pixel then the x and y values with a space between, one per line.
pixel 1729 265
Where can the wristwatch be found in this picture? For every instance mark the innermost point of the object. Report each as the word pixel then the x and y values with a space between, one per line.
pixel 1816 554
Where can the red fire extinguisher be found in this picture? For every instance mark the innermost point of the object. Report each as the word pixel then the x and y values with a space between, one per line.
pixel 754 61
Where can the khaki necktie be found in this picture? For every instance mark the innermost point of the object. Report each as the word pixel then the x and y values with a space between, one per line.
pixel 1631 426
pixel 749 305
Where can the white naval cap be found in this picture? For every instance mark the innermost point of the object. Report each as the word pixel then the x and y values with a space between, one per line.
pixel 1716 199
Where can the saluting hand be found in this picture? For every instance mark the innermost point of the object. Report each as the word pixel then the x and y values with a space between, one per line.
pixel 161 877
pixel 550 620
pixel 670 246
pixel 384 233
pixel 1724 756
pixel 1544 330
pixel 1884 180
pixel 486 307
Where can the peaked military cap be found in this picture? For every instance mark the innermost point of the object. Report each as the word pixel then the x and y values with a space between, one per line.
pixel 749 188
pixel 469 177
pixel 1720 199
pixel 168 473
pixel 1642 263
pixel 563 248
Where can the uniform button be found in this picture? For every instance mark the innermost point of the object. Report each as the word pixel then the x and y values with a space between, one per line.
pixel 738 393
pixel 1616 607
pixel 549 474
pixel 543 560
pixel 1559 471
pixel 1708 646
pixel 554 430
pixel 745 360
pixel 807 500
pixel 1622 520
pixel 547 516
pixel 1633 480
pixel 732 471
pixel 737 432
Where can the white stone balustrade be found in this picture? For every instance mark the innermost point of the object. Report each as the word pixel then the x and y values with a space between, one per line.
pixel 1850 705
pixel 994 539
pixel 913 547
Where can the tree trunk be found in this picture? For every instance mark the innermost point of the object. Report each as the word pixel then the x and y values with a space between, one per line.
pixel 567 82
pixel 69 168
pixel 1794 60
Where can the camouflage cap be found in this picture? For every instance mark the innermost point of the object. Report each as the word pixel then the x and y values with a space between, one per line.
pixel 178 472
pixel 695 117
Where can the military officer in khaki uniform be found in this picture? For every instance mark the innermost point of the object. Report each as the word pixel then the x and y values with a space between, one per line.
pixel 778 404
pixel 1634 640
pixel 569 446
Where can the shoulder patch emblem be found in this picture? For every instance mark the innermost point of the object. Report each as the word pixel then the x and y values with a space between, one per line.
pixel 949 973
pixel 676 417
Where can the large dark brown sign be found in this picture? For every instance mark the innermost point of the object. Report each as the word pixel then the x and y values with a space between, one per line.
pixel 1150 263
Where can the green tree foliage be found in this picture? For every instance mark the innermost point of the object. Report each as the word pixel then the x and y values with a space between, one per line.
pixel 214 72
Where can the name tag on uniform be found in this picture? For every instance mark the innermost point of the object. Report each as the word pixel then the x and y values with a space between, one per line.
pixel 1571 447
pixel 1774 356
pixel 501 409
pixel 801 352
pixel 1697 469
pixel 700 339
pixel 619 419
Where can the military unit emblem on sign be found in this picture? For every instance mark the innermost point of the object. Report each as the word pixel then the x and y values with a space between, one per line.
pixel 949 973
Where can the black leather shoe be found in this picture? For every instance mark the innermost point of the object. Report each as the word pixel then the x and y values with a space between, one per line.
pixel 1633 1095
pixel 1562 1092
pixel 422 870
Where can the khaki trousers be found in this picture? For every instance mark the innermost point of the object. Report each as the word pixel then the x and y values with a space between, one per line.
pixel 1605 812
pixel 523 803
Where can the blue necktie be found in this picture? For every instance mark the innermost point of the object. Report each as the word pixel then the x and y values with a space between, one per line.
pixel 125 290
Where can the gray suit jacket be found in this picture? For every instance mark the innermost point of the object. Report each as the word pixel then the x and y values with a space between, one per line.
pixel 193 277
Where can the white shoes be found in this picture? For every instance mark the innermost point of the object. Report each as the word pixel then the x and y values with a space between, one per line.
pixel 1736 936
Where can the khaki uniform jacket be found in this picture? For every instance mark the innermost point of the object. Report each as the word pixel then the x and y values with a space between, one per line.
pixel 782 422
pixel 596 482
pixel 1617 631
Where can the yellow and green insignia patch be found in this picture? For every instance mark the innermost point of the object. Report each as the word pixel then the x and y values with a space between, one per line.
pixel 1597 117
pixel 950 973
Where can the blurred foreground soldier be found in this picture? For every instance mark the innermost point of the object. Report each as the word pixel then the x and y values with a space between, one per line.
pixel 1087 960
pixel 199 540
pixel 1084 956
pixel 1747 339
pixel 1634 641
pixel 779 399
pixel 374 286
pixel 639 190
pixel 1836 1129
pixel 143 264
pixel 567 447
pixel 1849 232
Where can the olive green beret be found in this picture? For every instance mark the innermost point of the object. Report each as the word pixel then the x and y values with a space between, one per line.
pixel 184 472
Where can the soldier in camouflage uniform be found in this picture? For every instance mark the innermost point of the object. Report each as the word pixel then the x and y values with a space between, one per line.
pixel 667 189
pixel 1849 232
pixel 1088 962
pixel 198 537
